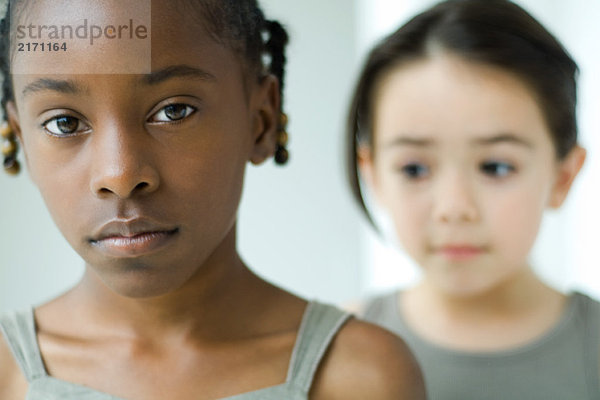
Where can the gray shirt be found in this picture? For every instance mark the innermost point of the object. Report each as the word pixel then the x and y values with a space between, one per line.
pixel 319 326
pixel 562 364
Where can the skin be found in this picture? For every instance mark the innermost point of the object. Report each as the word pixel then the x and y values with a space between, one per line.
pixel 188 306
pixel 464 164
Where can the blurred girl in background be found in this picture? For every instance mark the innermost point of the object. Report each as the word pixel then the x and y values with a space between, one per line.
pixel 463 128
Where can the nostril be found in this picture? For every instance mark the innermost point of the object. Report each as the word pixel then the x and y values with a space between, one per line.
pixel 141 186
pixel 124 192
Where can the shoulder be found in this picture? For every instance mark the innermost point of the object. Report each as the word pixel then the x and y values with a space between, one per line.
pixel 12 382
pixel 586 299
pixel 587 307
pixel 365 361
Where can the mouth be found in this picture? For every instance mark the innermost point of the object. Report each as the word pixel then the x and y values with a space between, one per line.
pixel 459 252
pixel 132 237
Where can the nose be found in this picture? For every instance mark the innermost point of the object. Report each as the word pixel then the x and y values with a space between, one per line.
pixel 455 200
pixel 122 164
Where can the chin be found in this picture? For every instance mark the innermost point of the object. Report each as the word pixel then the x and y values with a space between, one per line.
pixel 463 285
pixel 138 280
pixel 464 291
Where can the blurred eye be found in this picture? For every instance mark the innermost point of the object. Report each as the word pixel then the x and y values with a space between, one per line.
pixel 497 169
pixel 64 126
pixel 173 112
pixel 415 171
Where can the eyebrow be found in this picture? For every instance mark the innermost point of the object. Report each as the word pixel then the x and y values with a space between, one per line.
pixel 56 85
pixel 484 141
pixel 408 141
pixel 154 78
pixel 177 71
pixel 503 138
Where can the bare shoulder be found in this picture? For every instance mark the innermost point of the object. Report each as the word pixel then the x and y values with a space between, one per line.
pixel 368 362
pixel 12 382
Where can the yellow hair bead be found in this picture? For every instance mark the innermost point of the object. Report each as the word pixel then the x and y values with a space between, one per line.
pixel 283 121
pixel 9 148
pixel 6 131
pixel 282 138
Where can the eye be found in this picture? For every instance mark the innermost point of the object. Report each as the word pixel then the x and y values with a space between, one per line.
pixel 173 112
pixel 415 171
pixel 64 125
pixel 497 169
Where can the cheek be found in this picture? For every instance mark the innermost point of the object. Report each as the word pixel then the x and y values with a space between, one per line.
pixel 210 189
pixel 515 218
pixel 59 178
pixel 211 168
pixel 204 180
pixel 409 209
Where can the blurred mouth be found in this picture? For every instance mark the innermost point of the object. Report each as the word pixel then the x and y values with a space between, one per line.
pixel 459 252
pixel 132 237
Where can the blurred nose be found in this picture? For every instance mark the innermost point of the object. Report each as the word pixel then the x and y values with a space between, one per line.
pixel 454 199
pixel 122 164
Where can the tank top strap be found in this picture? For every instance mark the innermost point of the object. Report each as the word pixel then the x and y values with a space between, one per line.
pixel 18 328
pixel 319 326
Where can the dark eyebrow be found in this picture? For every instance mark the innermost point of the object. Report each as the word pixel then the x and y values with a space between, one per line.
pixel 177 71
pixel 57 85
pixel 503 138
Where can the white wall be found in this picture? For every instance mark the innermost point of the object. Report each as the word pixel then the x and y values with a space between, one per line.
pixel 565 254
pixel 297 222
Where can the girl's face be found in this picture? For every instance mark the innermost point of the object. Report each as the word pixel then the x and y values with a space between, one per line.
pixel 463 162
pixel 143 173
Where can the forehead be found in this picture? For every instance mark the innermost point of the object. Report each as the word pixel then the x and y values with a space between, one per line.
pixel 448 98
pixel 108 36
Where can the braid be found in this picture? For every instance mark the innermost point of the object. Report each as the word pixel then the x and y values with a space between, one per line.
pixel 275 47
pixel 9 144
pixel 7 93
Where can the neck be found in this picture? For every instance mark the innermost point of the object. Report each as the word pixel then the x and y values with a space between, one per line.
pixel 507 315
pixel 518 294
pixel 203 304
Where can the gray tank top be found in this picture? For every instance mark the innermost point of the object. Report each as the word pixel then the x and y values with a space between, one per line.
pixel 319 325
pixel 563 364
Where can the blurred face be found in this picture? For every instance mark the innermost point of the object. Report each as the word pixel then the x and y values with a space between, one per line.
pixel 463 162
pixel 142 173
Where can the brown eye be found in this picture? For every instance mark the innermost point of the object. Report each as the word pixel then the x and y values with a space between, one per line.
pixel 64 126
pixel 173 112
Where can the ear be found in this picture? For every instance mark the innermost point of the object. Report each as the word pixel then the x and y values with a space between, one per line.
pixel 566 173
pixel 265 119
pixel 12 117
pixel 366 167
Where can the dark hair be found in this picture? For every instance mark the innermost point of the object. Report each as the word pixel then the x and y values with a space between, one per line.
pixel 494 32
pixel 238 24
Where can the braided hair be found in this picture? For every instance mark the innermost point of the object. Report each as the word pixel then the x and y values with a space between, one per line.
pixel 7 93
pixel 237 24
